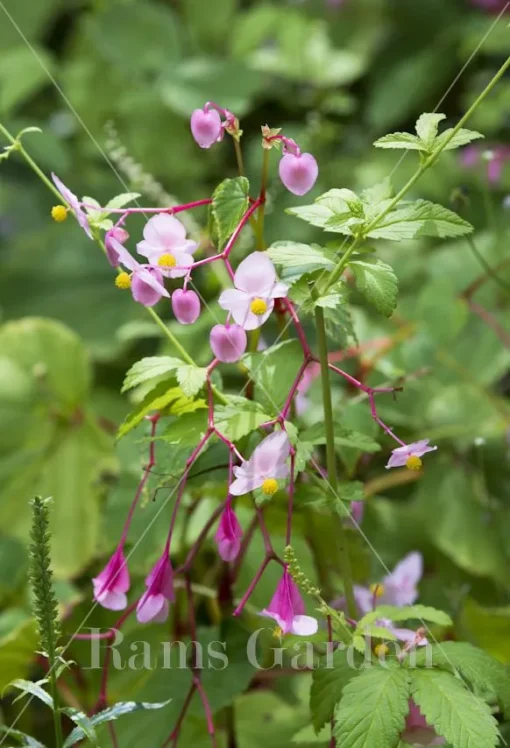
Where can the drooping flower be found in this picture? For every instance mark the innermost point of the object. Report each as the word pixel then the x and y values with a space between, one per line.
pixel 229 534
pixel 398 588
pixel 166 247
pixel 111 585
pixel 228 342
pixel 252 300
pixel 120 235
pixel 288 609
pixel 154 605
pixel 206 127
pixel 410 455
pixel 417 731
pixel 145 282
pixel 298 172
pixel 186 306
pixel 266 465
pixel 74 204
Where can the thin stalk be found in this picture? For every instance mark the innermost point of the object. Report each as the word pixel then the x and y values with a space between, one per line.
pixel 259 231
pixel 345 562
pixel 30 161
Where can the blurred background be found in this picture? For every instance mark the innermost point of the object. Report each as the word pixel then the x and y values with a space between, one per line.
pixel 112 85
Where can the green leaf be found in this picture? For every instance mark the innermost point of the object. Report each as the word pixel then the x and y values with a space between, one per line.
pixel 329 681
pixel 427 128
pixel 109 715
pixel 159 398
pixel 17 651
pixel 120 201
pixel 272 370
pixel 191 379
pixel 420 218
pixel 420 612
pixel 295 260
pixel 230 202
pixel 239 418
pixel 344 437
pixel 23 72
pixel 149 368
pixel 307 736
pixel 35 689
pixel 373 709
pixel 25 740
pixel 377 282
pixel 462 137
pixel 401 140
pixel 474 664
pixel 456 713
pixel 186 430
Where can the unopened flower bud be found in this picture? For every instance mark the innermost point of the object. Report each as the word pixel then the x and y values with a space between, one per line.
pixel 228 343
pixel 206 127
pixel 120 235
pixel 186 306
pixel 298 172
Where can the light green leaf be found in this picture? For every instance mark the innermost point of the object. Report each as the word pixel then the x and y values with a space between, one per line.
pixel 400 140
pixel 295 260
pixel 186 430
pixel 191 379
pixel 456 713
pixel 149 368
pixel 307 735
pixel 119 201
pixel 427 128
pixel 420 218
pixel 230 202
pixel 159 398
pixel 272 370
pixel 345 437
pixel 373 708
pixel 23 72
pixel 24 740
pixel 17 649
pixel 329 681
pixel 109 715
pixel 34 689
pixel 239 418
pixel 377 282
pixel 462 137
pixel 420 612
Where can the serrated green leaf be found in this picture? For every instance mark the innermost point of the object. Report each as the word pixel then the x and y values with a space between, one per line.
pixel 229 204
pixel 110 714
pixel 427 128
pixel 295 260
pixel 328 682
pixel 462 137
pixel 373 709
pixel 377 282
pixel 191 378
pixel 420 218
pixel 149 368
pixel 186 430
pixel 239 418
pixel 419 612
pixel 377 632
pixel 456 713
pixel 159 398
pixel 119 201
pixel 35 689
pixel 400 140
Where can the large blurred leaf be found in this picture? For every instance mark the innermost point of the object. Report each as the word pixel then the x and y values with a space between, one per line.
pixel 22 74
pixel 17 652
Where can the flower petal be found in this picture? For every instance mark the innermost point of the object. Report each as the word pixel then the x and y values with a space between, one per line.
pixel 164 231
pixel 270 454
pixel 255 275
pixel 149 607
pixel 304 626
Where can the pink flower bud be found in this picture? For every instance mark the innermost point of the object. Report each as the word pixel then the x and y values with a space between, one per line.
pixel 206 127
pixel 228 343
pixel 120 235
pixel 186 306
pixel 298 173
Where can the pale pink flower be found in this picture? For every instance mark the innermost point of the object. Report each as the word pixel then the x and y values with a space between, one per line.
pixel 496 159
pixel 266 465
pixel 288 609
pixel 111 585
pixel 298 172
pixel 228 342
pixel 417 731
pixel 256 287
pixel 186 306
pixel 166 247
pixel 73 202
pixel 410 455
pixel 398 588
pixel 229 534
pixel 120 235
pixel 206 127
pixel 146 281
pixel 154 605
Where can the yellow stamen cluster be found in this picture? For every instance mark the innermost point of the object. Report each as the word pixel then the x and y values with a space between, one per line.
pixel 123 281
pixel 277 632
pixel 258 307
pixel 270 486
pixel 381 650
pixel 59 213
pixel 413 463
pixel 377 590
pixel 167 261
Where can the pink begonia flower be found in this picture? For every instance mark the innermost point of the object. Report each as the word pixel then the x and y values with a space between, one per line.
pixel 252 300
pixel 495 157
pixel 111 585
pixel 228 342
pixel 154 605
pixel 206 127
pixel 74 204
pixel 410 455
pixel 229 534
pixel 265 466
pixel 186 306
pixel 120 235
pixel 417 731
pixel 166 247
pixel 288 609
pixel 146 282
pixel 298 172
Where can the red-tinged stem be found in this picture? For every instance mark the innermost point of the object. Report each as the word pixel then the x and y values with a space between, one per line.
pixel 207 710
pixel 91 637
pixel 376 418
pixel 242 223
pixel 359 385
pixel 102 699
pixel 174 735
pixel 290 508
pixel 253 584
pixel 299 327
pixel 290 397
pixel 186 566
pixel 248 537
pixel 129 211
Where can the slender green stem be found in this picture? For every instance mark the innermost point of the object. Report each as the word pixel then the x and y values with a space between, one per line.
pixel 259 231
pixel 57 721
pixel 31 162
pixel 335 274
pixel 329 428
pixel 239 157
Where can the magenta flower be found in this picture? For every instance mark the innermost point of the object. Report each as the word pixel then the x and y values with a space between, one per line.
pixel 496 159
pixel 417 731
pixel 298 172
pixel 398 588
pixel 265 466
pixel 206 127
pixel 120 235
pixel 252 300
pixel 186 306
pixel 228 342
pixel 111 585
pixel 229 534
pixel 146 282
pixel 410 455
pixel 166 247
pixel 288 609
pixel 73 202
pixel 154 605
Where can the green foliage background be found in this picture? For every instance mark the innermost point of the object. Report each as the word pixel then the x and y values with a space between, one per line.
pixel 337 79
